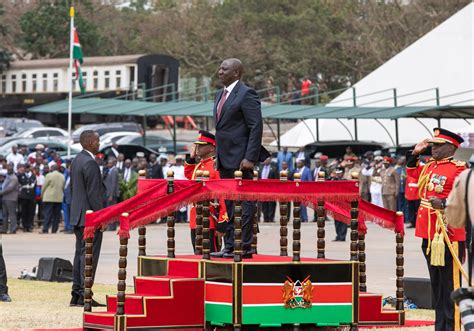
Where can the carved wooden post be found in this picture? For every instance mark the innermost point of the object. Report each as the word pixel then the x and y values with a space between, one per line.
pixel 255 222
pixel 362 267
pixel 198 250
pixel 296 224
pixel 206 242
pixel 284 212
pixel 400 270
pixel 142 229
pixel 171 218
pixel 354 230
pixel 321 222
pixel 122 273
pixel 88 272
pixel 238 224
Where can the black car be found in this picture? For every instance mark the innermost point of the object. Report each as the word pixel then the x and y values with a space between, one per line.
pixel 129 150
pixel 103 128
pixel 155 142
pixel 337 148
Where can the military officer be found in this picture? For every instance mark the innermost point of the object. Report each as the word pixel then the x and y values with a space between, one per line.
pixel 202 158
pixel 435 181
pixel 390 184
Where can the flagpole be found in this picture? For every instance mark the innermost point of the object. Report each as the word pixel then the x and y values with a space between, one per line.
pixel 69 113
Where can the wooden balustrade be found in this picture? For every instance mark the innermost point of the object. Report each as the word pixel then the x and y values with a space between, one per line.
pixel 362 266
pixel 296 224
pixel 206 242
pixel 198 231
pixel 170 220
pixel 88 282
pixel 122 273
pixel 255 222
pixel 284 212
pixel 238 224
pixel 400 269
pixel 321 222
pixel 354 230
pixel 142 229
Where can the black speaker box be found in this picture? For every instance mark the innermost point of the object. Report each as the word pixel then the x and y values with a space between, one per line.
pixel 54 269
pixel 419 291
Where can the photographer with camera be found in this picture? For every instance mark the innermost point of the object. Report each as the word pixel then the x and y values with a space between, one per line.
pixel 460 214
pixel 442 245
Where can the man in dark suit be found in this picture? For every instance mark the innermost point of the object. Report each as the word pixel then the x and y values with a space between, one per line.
pixel 87 194
pixel 239 127
pixel 268 171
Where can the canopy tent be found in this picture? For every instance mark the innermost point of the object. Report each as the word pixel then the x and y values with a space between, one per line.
pixel 435 72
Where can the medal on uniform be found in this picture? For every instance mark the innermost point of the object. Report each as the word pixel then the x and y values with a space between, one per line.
pixel 439 189
pixel 430 186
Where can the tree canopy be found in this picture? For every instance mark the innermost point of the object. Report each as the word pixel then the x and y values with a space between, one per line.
pixel 334 42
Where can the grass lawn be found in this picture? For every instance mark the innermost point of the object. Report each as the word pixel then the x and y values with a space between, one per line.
pixel 37 304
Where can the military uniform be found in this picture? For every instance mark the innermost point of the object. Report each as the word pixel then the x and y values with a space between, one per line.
pixel 435 179
pixel 190 169
pixel 390 186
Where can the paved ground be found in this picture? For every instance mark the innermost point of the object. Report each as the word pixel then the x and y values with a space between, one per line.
pixel 23 250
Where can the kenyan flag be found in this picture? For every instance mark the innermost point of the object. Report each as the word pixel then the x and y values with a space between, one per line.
pixel 78 59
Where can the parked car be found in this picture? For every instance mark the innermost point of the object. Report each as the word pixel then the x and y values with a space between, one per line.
pixel 112 137
pixel 52 144
pixel 129 150
pixel 155 142
pixel 103 128
pixel 14 125
pixel 337 148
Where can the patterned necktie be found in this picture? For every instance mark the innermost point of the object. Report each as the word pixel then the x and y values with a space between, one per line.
pixel 220 105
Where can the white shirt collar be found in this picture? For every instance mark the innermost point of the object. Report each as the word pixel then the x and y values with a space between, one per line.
pixel 231 87
pixel 92 155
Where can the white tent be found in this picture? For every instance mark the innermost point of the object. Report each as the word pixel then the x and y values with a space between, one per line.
pixel 439 63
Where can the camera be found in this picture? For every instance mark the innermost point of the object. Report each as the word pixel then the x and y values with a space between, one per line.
pixel 464 297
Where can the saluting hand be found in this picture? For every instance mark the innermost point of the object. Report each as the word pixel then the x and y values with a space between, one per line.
pixel 421 147
pixel 246 165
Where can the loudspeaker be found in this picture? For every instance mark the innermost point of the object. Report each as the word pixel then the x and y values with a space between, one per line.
pixel 54 269
pixel 419 291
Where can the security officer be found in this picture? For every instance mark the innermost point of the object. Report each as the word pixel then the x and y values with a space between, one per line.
pixel 202 158
pixel 435 181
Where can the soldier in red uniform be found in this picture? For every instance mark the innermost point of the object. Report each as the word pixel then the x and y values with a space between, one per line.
pixel 435 181
pixel 202 157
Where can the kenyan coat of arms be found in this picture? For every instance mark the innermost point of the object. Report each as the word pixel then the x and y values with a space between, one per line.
pixel 297 294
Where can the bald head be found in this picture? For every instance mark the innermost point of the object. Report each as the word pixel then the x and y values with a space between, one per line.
pixel 230 70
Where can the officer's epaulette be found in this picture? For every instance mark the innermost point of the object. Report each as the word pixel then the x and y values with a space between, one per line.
pixel 459 163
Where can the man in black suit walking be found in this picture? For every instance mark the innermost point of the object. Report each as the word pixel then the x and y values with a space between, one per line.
pixel 87 194
pixel 238 118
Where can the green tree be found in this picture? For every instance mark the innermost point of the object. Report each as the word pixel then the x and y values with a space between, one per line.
pixel 4 54
pixel 46 30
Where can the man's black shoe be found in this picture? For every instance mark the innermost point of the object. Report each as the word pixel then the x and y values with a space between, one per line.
pixel 245 255
pixel 80 303
pixel 221 253
pixel 5 298
pixel 74 299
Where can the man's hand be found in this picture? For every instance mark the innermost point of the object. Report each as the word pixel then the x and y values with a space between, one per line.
pixel 437 203
pixel 246 165
pixel 193 152
pixel 420 147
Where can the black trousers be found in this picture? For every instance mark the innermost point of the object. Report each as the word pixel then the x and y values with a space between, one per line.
pixel 443 280
pixel 412 210
pixel 268 210
pixel 3 272
pixel 52 215
pixel 341 230
pixel 248 208
pixel 212 239
pixel 27 208
pixel 79 255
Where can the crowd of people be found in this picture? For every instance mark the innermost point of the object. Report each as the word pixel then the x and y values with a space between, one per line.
pixel 35 188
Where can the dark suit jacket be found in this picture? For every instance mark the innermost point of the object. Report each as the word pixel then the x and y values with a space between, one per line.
pixel 86 187
pixel 111 183
pixel 272 174
pixel 239 128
